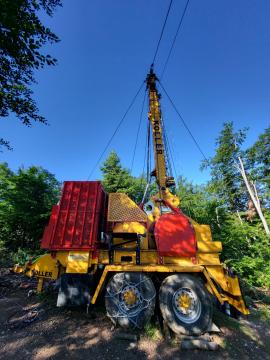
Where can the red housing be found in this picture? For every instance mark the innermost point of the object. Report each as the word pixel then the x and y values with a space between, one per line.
pixel 76 223
pixel 175 235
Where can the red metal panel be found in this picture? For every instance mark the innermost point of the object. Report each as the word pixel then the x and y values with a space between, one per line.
pixel 175 236
pixel 76 222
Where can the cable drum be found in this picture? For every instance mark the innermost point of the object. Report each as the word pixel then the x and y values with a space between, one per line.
pixel 130 299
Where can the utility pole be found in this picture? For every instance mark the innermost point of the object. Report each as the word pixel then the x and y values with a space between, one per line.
pixel 253 194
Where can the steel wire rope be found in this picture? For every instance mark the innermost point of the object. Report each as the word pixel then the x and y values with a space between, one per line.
pixel 184 123
pixel 115 131
pixel 174 39
pixel 162 31
pixel 148 164
pixel 138 131
pixel 145 152
pixel 166 152
pixel 169 150
pixel 171 156
pixel 145 161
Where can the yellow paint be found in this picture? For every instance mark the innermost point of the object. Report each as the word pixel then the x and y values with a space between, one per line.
pixel 125 216
pixel 130 297
pixel 19 269
pixel 209 247
pixel 184 301
pixel 100 284
pixel 171 198
pixel 133 227
pixel 227 283
pixel 129 227
pixel 203 232
pixel 122 209
pixel 40 285
pixel 44 266
pixel 211 287
pixel 154 116
pixel 78 262
pixel 208 259
pixel 143 268
pixel 47 267
pixel 230 285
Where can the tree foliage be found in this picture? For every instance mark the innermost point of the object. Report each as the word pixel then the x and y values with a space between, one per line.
pixel 226 181
pixel 26 199
pixel 246 247
pixel 22 36
pixel 199 204
pixel 258 159
pixel 118 179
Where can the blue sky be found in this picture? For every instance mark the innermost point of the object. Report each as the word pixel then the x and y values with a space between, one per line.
pixel 218 71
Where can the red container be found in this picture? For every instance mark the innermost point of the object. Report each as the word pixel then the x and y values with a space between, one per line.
pixel 76 223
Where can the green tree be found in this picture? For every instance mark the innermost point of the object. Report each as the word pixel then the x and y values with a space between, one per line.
pixel 199 204
pixel 258 159
pixel 226 181
pixel 245 245
pixel 22 35
pixel 246 249
pixel 118 179
pixel 26 199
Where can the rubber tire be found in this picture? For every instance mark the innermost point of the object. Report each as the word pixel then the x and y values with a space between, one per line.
pixel 127 319
pixel 167 289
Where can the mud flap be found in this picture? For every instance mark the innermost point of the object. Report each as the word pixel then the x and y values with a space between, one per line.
pixel 229 285
pixel 75 290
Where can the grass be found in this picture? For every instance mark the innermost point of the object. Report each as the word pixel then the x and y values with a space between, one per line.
pixel 152 331
pixel 224 320
pixel 263 313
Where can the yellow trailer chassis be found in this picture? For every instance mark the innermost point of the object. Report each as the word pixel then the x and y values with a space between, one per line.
pixel 218 281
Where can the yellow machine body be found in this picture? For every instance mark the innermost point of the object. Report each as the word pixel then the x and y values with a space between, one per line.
pixel 128 221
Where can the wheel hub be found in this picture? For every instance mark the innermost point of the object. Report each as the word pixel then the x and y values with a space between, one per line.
pixel 186 305
pixel 184 302
pixel 130 298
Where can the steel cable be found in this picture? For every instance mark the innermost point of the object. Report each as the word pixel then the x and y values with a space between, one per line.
pixel 162 31
pixel 174 39
pixel 138 131
pixel 115 131
pixel 184 123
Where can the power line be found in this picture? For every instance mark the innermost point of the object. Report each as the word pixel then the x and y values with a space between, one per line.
pixel 174 39
pixel 115 131
pixel 138 131
pixel 162 31
pixel 183 122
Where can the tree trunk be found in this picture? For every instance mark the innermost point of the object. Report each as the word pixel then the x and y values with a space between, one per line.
pixel 254 196
pixel 217 215
pixel 239 217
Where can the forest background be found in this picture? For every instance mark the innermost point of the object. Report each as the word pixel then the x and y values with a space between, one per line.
pixel 27 196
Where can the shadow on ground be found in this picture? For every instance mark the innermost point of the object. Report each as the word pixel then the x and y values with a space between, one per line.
pixel 57 333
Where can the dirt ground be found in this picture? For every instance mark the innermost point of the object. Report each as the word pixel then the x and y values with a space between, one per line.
pixel 33 328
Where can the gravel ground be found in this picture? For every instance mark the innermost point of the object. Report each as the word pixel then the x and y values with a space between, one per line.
pixel 35 329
